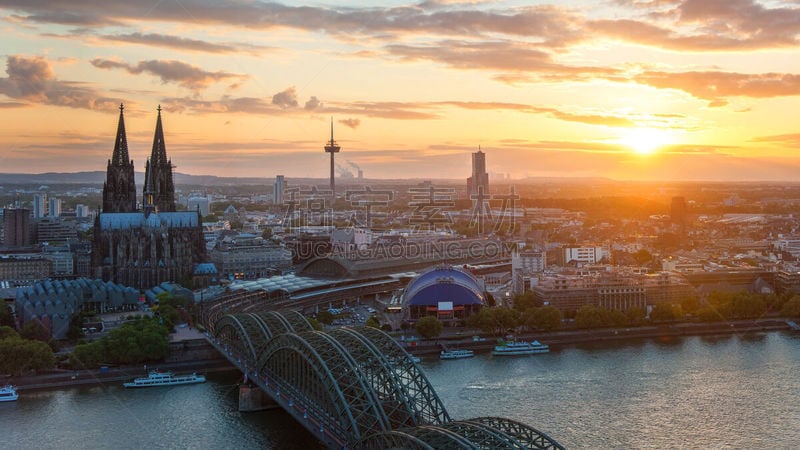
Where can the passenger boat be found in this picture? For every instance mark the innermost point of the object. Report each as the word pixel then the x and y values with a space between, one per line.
pixel 156 378
pixel 456 354
pixel 519 348
pixel 8 393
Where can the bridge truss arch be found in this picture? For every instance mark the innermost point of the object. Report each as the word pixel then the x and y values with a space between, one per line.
pixel 359 384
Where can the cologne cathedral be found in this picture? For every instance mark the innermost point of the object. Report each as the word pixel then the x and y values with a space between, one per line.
pixel 144 247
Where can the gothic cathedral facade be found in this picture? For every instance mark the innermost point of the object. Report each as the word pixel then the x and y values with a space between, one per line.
pixel 144 247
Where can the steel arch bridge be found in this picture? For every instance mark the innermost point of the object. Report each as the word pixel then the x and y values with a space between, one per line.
pixel 355 387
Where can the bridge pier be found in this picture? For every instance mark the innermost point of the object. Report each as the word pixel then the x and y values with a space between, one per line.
pixel 252 399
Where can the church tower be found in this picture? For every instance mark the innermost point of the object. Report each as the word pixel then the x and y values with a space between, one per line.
pixel 119 189
pixel 159 190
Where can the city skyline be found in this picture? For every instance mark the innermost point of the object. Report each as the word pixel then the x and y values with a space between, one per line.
pixel 651 90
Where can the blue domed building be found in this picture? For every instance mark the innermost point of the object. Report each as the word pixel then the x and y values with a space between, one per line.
pixel 446 292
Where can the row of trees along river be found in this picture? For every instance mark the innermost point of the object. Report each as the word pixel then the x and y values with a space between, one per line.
pixel 143 339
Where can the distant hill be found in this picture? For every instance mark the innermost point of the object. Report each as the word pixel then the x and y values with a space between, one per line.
pixel 99 176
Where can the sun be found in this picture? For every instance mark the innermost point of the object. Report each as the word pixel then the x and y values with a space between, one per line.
pixel 645 141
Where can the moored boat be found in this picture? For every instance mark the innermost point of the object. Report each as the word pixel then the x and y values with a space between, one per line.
pixel 8 393
pixel 156 378
pixel 520 348
pixel 456 354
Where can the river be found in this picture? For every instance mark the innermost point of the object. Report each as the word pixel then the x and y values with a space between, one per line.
pixel 692 392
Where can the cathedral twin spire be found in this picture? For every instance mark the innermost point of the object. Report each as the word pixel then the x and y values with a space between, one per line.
pixel 119 190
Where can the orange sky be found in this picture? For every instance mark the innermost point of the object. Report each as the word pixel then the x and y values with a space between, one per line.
pixel 642 89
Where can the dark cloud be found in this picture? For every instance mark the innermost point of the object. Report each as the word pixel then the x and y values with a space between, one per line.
pixel 174 42
pixel 285 102
pixel 506 56
pixel 287 98
pixel 186 75
pixel 32 80
pixel 350 122
pixel 9 105
pixel 312 103
pixel 700 25
pixel 550 25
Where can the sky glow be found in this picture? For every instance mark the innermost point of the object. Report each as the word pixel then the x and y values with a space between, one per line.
pixel 661 89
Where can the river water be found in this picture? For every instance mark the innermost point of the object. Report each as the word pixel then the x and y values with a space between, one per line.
pixel 695 392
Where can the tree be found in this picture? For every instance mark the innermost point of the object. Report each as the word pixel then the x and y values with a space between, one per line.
pixel 18 355
pixel 690 304
pixel 75 330
pixel 8 332
pixel 495 320
pixel 490 299
pixel 6 319
pixel 664 313
pixel 373 322
pixel 33 329
pixel 792 307
pixel 525 301
pixel 590 316
pixel 314 323
pixel 429 327
pixel 635 315
pixel 746 305
pixel 325 317
pixel 642 257
pixel 547 318
pixel 134 342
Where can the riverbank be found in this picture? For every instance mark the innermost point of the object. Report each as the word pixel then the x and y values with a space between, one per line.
pixel 560 339
pixel 110 375
pixel 197 355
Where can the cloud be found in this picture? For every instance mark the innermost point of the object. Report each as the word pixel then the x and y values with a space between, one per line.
pixel 186 75
pixel 286 98
pixel 312 103
pixel 174 42
pixel 32 80
pixel 350 122
pixel 699 25
pixel 715 86
pixel 551 25
pixel 285 102
pixel 590 119
pixel 505 56
pixel 791 140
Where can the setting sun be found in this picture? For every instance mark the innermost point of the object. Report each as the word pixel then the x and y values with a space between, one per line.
pixel 645 141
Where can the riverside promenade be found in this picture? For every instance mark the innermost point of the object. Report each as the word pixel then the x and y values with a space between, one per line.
pixel 190 352
pixel 560 339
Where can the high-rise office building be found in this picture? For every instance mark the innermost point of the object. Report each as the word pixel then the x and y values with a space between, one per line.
pixel 677 211
pixel 53 207
pixel 277 190
pixel 479 178
pixel 39 206
pixel 81 211
pixel 17 227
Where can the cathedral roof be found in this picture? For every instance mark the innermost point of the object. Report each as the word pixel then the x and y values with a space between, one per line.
pixel 123 221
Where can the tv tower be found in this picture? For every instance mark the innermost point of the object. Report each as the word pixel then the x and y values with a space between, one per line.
pixel 332 148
